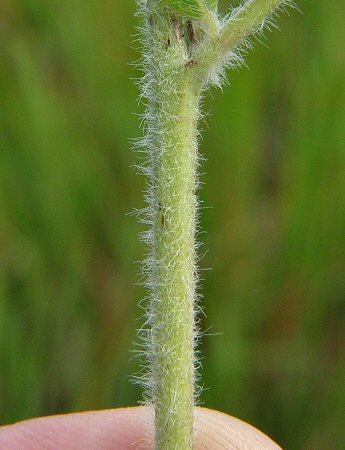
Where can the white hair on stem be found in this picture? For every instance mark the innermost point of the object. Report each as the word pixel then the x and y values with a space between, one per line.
pixel 186 48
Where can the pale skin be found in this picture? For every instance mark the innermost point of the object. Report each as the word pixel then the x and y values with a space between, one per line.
pixel 127 429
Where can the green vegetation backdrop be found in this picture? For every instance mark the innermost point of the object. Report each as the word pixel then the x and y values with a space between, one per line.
pixel 275 233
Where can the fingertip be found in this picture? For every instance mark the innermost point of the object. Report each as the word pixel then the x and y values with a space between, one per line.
pixel 127 429
pixel 216 430
pixel 124 428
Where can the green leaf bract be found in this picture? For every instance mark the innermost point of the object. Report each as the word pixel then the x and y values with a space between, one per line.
pixel 187 8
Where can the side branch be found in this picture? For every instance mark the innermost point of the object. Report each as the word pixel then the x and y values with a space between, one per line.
pixel 242 22
pixel 247 19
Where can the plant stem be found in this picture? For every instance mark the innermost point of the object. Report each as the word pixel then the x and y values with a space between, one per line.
pixel 180 58
pixel 250 18
pixel 174 276
pixel 173 103
pixel 246 19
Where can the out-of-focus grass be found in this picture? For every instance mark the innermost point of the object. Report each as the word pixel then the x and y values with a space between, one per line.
pixel 275 233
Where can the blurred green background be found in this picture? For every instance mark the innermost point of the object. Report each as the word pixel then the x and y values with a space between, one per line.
pixel 275 233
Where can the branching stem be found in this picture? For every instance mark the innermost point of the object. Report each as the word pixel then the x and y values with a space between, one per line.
pixel 180 57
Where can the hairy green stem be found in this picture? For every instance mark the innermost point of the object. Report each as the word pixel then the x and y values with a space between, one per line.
pixel 174 96
pixel 173 332
pixel 182 56
pixel 249 18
